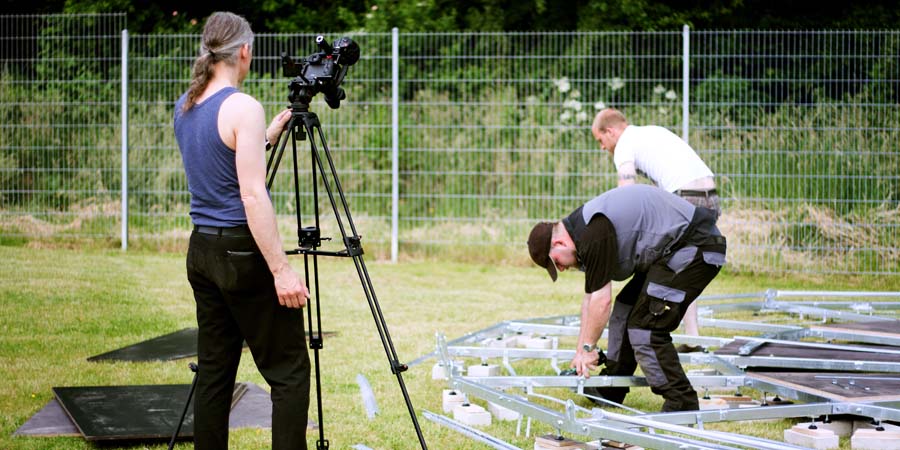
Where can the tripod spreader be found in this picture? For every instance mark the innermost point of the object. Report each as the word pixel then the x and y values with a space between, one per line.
pixel 310 242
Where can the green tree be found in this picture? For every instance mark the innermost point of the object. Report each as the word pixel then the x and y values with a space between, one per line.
pixel 145 16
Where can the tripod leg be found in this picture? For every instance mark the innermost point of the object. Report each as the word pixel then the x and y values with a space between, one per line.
pixel 316 343
pixel 354 249
pixel 187 403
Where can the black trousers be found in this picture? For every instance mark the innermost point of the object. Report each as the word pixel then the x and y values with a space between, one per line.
pixel 645 313
pixel 236 301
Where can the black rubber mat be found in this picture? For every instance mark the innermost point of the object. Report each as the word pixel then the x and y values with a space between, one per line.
pixel 130 412
pixel 252 410
pixel 177 345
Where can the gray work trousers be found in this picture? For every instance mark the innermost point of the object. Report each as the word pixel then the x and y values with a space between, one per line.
pixel 647 310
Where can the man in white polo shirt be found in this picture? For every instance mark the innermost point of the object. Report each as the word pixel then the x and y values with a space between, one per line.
pixel 668 161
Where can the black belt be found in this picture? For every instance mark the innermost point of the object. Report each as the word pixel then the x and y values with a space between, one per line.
pixel 691 193
pixel 702 230
pixel 238 231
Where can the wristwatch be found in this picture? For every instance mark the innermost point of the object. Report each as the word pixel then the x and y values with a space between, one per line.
pixel 588 347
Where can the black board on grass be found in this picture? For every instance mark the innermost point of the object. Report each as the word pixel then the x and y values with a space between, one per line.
pixel 168 347
pixel 253 409
pixel 104 413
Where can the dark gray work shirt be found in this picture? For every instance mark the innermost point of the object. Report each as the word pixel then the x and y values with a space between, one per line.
pixel 644 221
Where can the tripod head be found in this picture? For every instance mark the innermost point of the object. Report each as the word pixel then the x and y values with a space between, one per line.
pixel 322 71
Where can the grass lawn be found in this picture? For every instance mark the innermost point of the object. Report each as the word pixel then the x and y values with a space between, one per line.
pixel 58 307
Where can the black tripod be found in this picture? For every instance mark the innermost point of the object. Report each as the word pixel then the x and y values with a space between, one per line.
pixel 304 123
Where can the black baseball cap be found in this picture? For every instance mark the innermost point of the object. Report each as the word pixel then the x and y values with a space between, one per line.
pixel 539 247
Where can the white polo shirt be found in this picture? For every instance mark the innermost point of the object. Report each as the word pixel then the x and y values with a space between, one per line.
pixel 660 155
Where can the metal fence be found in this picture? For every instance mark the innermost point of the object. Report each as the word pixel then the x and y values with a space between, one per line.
pixel 60 79
pixel 491 135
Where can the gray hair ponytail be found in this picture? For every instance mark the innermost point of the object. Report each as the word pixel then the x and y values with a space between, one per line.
pixel 223 36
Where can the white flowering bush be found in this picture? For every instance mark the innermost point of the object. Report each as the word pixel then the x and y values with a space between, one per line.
pixel 573 110
pixel 665 98
pixel 615 83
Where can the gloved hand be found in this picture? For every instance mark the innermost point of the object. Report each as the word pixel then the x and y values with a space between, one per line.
pixel 602 357
pixel 584 362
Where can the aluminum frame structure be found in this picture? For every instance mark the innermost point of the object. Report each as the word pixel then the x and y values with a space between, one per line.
pixel 685 430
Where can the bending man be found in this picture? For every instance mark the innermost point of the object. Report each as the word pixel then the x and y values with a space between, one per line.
pixel 665 159
pixel 670 249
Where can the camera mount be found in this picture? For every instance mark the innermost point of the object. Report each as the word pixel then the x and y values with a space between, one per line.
pixel 323 72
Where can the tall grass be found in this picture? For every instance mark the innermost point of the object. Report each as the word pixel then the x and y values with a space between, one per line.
pixel 481 157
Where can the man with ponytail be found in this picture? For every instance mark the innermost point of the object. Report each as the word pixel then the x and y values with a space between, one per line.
pixel 244 287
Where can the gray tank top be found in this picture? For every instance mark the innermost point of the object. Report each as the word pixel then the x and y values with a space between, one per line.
pixel 209 163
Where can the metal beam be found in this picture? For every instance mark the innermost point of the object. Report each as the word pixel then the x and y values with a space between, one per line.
pixel 473 433
pixel 577 382
pixel 748 326
pixel 599 423
pixel 693 358
pixel 569 423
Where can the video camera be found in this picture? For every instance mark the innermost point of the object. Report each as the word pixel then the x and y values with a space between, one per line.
pixel 322 71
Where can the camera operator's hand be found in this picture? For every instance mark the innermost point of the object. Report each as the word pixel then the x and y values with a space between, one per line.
pixel 273 132
pixel 584 361
pixel 290 288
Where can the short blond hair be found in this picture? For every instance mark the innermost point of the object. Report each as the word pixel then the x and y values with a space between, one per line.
pixel 609 118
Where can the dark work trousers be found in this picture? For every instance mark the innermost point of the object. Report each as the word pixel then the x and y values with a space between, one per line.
pixel 646 311
pixel 710 201
pixel 236 301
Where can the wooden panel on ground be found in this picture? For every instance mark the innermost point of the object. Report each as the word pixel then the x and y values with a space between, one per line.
pixel 804 352
pixel 886 328
pixel 50 421
pixel 254 410
pixel 842 387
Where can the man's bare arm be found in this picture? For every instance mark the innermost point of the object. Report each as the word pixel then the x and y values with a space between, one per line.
pixel 627 174
pixel 249 135
pixel 595 309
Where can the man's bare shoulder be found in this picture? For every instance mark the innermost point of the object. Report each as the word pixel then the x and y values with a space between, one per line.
pixel 241 110
pixel 241 102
